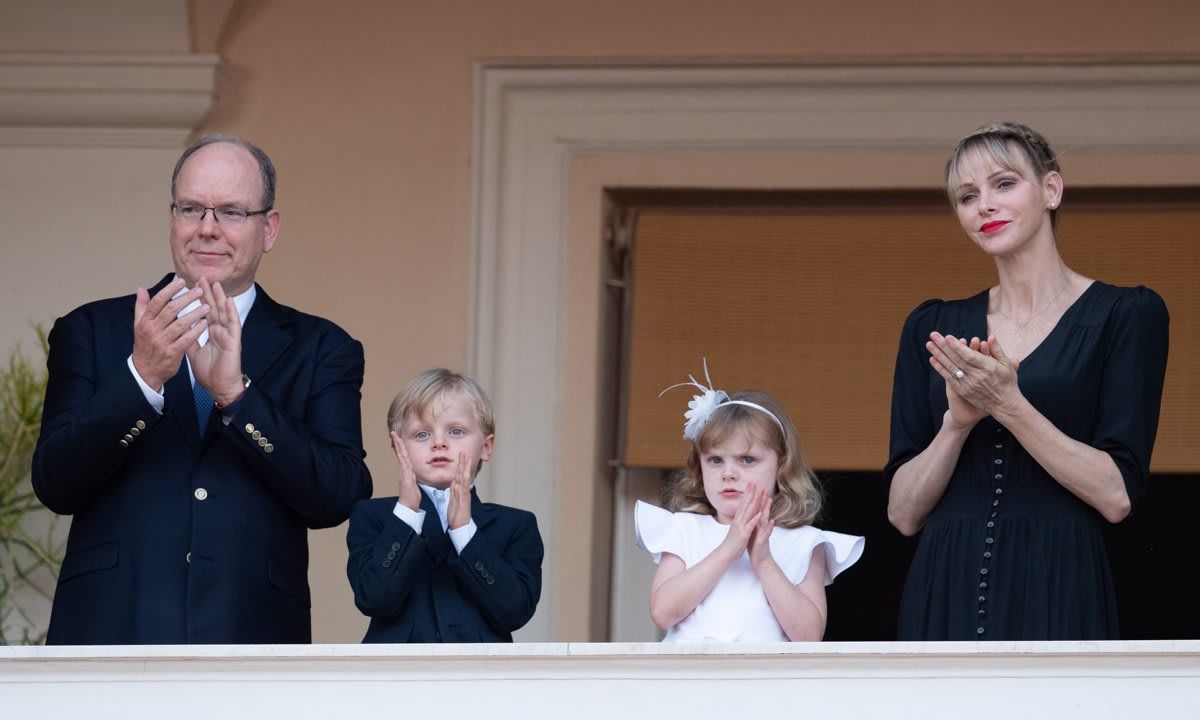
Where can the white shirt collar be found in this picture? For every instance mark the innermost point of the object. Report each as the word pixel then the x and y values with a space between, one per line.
pixel 242 302
pixel 441 501
pixel 434 493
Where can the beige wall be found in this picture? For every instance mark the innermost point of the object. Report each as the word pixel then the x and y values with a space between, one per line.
pixel 366 108
pixel 111 26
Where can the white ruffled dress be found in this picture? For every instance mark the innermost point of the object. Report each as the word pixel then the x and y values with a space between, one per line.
pixel 737 610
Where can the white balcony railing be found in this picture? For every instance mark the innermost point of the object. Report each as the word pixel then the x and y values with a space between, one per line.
pixel 1092 680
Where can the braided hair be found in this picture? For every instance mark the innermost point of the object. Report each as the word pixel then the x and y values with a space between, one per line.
pixel 1012 146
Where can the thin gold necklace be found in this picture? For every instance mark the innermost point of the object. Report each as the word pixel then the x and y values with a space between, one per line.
pixel 1020 327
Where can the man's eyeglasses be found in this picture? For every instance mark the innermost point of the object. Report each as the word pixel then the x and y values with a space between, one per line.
pixel 193 212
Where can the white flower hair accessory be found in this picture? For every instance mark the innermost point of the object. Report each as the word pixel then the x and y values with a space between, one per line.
pixel 702 406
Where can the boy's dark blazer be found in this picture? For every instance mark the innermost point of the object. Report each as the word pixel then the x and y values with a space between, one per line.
pixel 179 540
pixel 418 589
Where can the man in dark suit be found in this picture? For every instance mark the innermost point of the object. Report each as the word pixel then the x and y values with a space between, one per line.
pixel 196 431
pixel 434 564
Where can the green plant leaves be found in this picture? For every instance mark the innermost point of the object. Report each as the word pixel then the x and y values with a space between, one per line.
pixel 30 547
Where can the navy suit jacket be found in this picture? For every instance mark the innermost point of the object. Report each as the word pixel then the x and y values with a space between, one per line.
pixel 418 589
pixel 175 539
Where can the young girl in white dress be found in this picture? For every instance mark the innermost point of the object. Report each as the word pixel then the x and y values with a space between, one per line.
pixel 738 560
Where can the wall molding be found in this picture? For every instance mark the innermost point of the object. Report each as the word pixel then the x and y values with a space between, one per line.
pixel 153 100
pixel 529 122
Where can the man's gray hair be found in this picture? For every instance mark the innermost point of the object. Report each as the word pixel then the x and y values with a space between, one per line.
pixel 265 167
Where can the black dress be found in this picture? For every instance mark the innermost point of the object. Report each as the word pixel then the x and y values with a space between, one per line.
pixel 1008 553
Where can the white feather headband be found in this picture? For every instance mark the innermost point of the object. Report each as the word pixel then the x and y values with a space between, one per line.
pixel 702 406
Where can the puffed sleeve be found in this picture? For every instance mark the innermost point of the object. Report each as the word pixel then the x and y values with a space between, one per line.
pixel 793 550
pixel 1135 362
pixel 913 426
pixel 658 531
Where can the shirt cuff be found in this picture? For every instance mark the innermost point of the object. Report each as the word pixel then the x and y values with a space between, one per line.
pixel 415 519
pixel 461 536
pixel 231 409
pixel 156 399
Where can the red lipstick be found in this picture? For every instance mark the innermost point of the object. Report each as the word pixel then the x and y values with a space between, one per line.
pixel 993 226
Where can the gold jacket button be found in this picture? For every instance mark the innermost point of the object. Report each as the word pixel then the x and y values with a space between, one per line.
pixel 141 424
pixel 188 557
pixel 256 434
pixel 269 447
pixel 134 431
pixel 262 442
pixel 200 493
pixel 249 427
pixel 124 443
pixel 128 438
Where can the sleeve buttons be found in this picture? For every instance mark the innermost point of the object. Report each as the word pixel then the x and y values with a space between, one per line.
pixel 258 437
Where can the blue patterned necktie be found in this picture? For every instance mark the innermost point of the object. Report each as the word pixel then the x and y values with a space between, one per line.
pixel 204 406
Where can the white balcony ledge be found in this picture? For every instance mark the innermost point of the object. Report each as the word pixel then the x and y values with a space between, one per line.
pixel 1095 680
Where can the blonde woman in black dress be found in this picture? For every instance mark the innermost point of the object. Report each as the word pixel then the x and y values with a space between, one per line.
pixel 1023 418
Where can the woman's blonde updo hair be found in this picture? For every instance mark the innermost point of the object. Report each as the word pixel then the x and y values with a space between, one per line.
pixel 1012 146
pixel 798 492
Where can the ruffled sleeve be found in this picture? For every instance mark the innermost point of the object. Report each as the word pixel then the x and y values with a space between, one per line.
pixel 658 531
pixel 793 550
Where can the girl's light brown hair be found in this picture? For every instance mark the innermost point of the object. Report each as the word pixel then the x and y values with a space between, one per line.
pixel 1012 146
pixel 798 492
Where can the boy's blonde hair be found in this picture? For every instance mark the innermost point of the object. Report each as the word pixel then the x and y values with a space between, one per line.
pixel 430 388
pixel 798 492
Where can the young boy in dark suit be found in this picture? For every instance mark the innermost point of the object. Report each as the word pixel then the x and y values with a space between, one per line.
pixel 435 564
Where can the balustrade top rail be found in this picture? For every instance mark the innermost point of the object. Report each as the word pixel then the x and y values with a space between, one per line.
pixel 1060 680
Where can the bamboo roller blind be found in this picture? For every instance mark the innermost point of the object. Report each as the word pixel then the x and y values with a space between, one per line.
pixel 808 305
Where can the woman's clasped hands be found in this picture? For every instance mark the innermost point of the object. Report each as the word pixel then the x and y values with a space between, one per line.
pixel 981 379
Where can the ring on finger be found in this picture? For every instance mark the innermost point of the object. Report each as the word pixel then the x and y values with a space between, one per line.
pixel 959 374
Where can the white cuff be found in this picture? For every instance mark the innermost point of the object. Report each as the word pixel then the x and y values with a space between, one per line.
pixel 415 519
pixel 156 399
pixel 461 536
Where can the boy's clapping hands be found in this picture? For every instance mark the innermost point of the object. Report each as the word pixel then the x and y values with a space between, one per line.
pixel 407 493
pixel 458 512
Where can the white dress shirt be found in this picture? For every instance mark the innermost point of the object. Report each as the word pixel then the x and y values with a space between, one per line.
pixel 156 398
pixel 415 519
